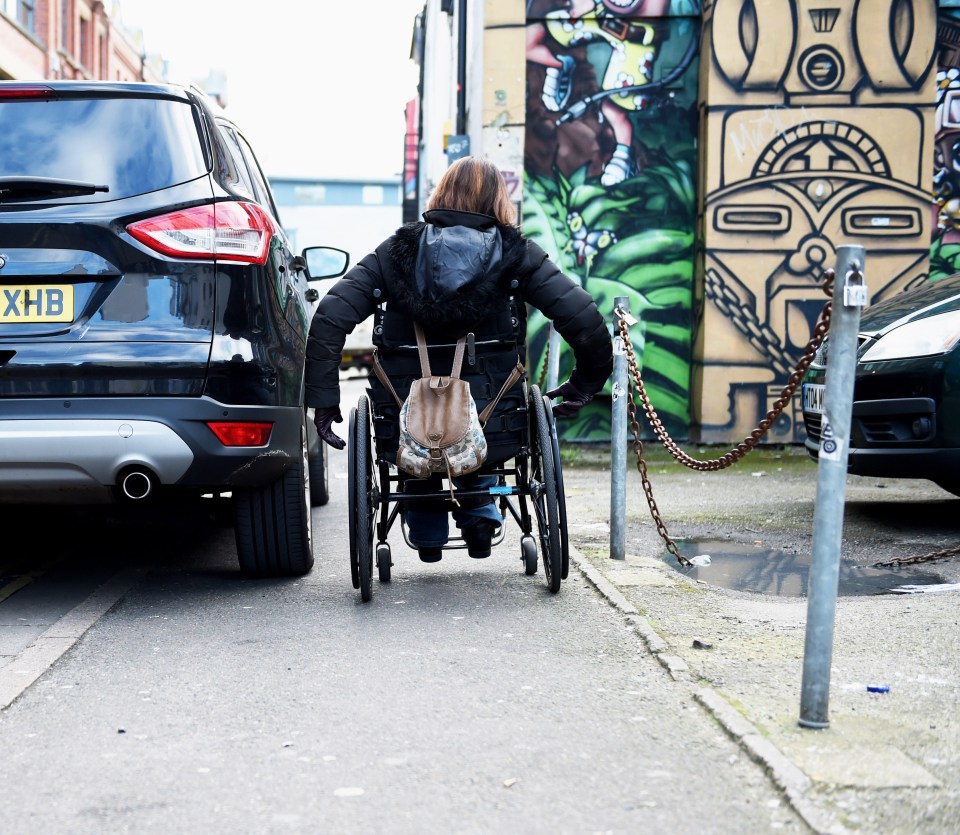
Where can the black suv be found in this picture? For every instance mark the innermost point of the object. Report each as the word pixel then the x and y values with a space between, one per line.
pixel 153 319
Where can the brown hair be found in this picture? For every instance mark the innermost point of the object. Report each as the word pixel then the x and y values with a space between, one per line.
pixel 474 184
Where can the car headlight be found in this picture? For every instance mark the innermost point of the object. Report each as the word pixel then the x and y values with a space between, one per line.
pixel 919 338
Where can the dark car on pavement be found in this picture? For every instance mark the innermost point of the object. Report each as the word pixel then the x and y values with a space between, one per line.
pixel 153 318
pixel 906 401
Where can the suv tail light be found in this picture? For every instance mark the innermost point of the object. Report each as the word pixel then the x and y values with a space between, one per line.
pixel 235 433
pixel 231 231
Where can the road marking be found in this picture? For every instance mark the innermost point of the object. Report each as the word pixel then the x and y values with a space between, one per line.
pixel 21 579
pixel 31 663
pixel 11 588
pixel 21 582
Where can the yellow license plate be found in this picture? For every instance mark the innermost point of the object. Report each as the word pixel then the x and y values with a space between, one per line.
pixel 36 303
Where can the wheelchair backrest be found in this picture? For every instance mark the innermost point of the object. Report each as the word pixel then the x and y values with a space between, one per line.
pixel 497 343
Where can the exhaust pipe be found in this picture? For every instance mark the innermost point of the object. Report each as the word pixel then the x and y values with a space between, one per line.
pixel 136 484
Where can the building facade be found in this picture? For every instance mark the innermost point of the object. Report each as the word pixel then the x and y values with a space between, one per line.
pixel 71 39
pixel 86 39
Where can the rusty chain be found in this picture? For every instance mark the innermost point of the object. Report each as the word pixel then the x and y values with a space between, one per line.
pixel 898 562
pixel 636 387
pixel 642 469
pixel 546 365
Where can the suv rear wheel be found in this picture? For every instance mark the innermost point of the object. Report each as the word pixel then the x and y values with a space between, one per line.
pixel 273 528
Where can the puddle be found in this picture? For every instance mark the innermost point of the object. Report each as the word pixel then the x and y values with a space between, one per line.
pixel 743 567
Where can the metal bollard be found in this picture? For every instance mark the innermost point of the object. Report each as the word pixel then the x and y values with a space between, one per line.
pixel 849 295
pixel 618 436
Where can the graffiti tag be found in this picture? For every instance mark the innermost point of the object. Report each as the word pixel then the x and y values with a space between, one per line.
pixel 512 181
pixel 754 135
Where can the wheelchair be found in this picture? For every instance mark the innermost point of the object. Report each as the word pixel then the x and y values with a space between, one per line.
pixel 523 454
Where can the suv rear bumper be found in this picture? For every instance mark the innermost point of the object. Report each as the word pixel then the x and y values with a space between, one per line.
pixel 51 445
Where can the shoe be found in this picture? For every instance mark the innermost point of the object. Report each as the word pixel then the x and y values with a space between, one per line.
pixel 621 165
pixel 558 83
pixel 430 554
pixel 478 538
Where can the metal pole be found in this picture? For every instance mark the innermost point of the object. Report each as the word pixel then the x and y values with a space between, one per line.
pixel 618 436
pixel 462 67
pixel 849 295
pixel 553 362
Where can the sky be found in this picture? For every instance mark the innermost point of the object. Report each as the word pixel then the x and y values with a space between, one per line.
pixel 318 88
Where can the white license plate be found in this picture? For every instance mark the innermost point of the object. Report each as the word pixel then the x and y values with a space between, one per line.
pixel 813 398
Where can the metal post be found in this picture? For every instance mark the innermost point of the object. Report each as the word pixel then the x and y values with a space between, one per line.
pixel 849 295
pixel 553 362
pixel 462 67
pixel 618 436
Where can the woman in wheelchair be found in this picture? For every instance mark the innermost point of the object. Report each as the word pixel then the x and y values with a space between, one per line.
pixel 465 270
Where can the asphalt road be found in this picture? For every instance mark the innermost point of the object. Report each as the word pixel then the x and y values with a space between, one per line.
pixel 463 698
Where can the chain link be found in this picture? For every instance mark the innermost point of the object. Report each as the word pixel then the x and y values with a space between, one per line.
pixel 546 365
pixel 917 559
pixel 645 479
pixel 636 387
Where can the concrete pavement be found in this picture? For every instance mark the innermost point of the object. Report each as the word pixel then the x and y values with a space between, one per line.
pixel 889 761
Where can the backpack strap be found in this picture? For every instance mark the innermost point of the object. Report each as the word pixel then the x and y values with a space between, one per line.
pixel 508 384
pixel 383 378
pixel 424 364
pixel 425 359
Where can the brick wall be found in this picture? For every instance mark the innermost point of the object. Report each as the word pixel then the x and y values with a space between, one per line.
pixel 38 55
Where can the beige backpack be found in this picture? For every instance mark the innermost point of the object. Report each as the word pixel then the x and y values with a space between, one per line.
pixel 440 430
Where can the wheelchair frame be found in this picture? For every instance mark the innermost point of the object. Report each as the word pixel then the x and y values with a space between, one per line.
pixel 533 474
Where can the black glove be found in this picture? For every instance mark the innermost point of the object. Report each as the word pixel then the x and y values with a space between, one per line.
pixel 323 418
pixel 573 399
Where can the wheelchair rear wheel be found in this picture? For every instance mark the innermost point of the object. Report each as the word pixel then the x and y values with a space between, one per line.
pixel 351 499
pixel 361 489
pixel 561 496
pixel 544 488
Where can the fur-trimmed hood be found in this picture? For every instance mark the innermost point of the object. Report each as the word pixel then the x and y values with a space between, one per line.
pixel 384 284
pixel 451 270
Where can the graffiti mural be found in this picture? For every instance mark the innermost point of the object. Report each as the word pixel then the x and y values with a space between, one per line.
pixel 817 132
pixel 610 162
pixel 945 249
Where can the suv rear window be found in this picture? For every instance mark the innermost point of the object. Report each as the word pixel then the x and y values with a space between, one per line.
pixel 131 145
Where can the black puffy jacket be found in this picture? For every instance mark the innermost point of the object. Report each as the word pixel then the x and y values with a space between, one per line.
pixel 457 273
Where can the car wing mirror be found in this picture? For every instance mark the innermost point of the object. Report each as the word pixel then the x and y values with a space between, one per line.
pixel 325 262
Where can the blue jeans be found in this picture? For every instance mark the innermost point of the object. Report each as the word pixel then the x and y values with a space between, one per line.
pixel 430 528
